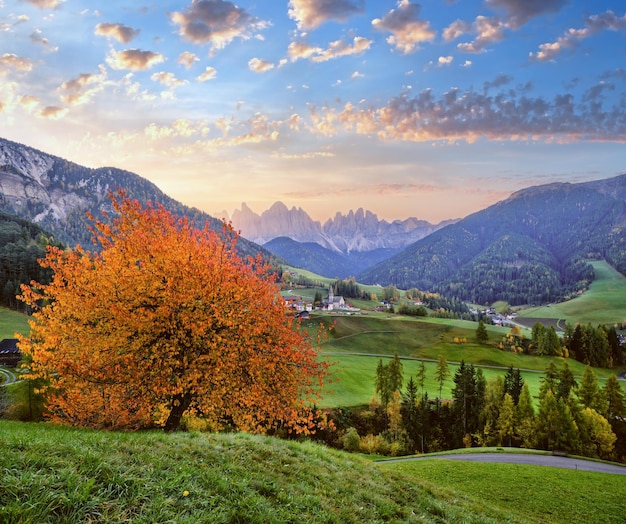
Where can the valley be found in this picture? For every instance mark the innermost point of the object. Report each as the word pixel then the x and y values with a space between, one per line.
pixel 421 288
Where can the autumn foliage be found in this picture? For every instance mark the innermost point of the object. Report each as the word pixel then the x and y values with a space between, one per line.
pixel 167 320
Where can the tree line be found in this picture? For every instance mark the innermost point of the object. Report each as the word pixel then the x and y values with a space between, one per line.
pixel 568 415
pixel 593 346
pixel 22 244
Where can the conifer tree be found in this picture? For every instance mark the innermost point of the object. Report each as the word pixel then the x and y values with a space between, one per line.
pixel 506 420
pixel 442 372
pixel 482 337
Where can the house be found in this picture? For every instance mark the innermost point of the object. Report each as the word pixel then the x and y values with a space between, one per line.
pixel 10 355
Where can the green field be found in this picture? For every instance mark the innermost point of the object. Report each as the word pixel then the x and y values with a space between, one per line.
pixel 540 494
pixel 12 322
pixel 66 475
pixel 358 342
pixel 603 303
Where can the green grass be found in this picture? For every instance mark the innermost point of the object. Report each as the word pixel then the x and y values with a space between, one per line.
pixel 539 493
pixel 55 474
pixel 603 303
pixel 12 322
pixel 356 375
pixel 356 344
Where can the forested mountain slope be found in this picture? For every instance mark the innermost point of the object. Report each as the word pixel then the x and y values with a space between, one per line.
pixel 531 248
pixel 323 261
pixel 56 193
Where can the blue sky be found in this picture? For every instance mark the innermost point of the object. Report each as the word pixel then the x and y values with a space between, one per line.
pixel 433 109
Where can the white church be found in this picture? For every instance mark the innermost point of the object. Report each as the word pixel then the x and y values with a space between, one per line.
pixel 333 301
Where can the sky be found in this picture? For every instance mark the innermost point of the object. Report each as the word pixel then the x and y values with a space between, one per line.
pixel 432 109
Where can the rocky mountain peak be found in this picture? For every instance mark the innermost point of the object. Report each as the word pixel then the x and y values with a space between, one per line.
pixel 358 231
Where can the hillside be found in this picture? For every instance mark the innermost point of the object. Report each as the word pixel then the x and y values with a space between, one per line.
pixel 528 249
pixel 58 474
pixel 55 193
pixel 324 261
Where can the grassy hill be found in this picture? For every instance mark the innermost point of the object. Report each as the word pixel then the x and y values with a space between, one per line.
pixel 603 303
pixel 357 343
pixel 57 474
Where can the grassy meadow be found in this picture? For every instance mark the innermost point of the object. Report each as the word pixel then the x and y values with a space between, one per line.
pixel 59 474
pixel 12 322
pixel 603 303
pixel 356 343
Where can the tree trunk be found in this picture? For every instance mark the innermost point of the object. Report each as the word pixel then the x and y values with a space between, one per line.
pixel 180 403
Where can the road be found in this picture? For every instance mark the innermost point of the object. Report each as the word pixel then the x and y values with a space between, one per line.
pixel 7 377
pixel 529 459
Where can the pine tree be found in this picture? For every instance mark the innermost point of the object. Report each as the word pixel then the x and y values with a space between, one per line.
pixel 525 417
pixel 616 408
pixel 566 383
pixel 442 372
pixel 482 337
pixel 589 392
pixel 513 383
pixel 410 412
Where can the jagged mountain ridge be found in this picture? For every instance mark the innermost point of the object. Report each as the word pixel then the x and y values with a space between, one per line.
pixel 56 194
pixel 530 248
pixel 356 231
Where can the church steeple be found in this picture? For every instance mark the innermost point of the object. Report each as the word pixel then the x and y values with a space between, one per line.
pixel 331 294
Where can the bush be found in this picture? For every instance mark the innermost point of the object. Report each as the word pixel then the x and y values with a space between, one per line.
pixel 374 445
pixel 351 440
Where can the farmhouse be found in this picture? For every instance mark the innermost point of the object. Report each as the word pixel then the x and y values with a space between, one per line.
pixel 10 355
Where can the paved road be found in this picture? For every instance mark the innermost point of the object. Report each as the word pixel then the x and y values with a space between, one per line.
pixel 530 459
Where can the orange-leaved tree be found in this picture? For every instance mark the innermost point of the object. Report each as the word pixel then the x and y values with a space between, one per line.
pixel 167 320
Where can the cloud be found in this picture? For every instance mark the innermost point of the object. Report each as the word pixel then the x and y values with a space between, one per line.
pixel 260 66
pixel 500 80
pixel 456 29
pixel 470 115
pixel 53 112
pixel 37 38
pixel 336 49
pixel 444 61
pixel 297 50
pixel 134 59
pixel 10 61
pixel 208 74
pixel 489 30
pixel 44 4
pixel 83 88
pixel 216 22
pixel 122 33
pixel 519 12
pixel 607 21
pixel 29 102
pixel 407 30
pixel 187 59
pixel 167 79
pixel 310 14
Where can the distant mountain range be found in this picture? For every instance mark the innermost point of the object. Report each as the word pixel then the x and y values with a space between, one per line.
pixel 531 248
pixel 342 247
pixel 359 230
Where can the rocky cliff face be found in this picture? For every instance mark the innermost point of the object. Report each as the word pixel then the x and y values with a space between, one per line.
pixel 358 231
